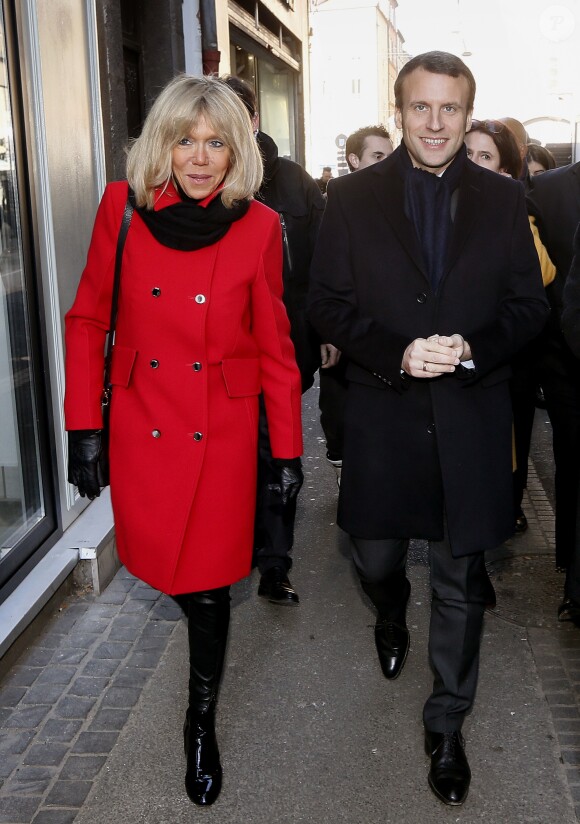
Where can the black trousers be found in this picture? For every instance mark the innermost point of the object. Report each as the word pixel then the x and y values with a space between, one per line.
pixel 331 402
pixel 460 591
pixel 274 521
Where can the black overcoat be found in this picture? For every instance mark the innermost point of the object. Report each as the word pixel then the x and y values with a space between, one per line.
pixel 416 450
pixel 291 192
pixel 554 200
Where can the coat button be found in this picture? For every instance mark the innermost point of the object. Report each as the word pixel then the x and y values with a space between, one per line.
pixel 200 298
pixel 431 428
pixel 197 436
pixel 154 363
pixel 156 291
pixel 156 433
pixel 197 366
pixel 421 297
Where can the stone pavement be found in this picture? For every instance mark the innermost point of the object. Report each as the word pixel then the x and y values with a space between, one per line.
pixel 64 702
pixel 90 713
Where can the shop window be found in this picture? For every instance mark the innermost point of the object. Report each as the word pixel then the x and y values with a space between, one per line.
pixel 274 86
pixel 22 504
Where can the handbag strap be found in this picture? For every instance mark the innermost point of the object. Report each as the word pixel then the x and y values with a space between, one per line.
pixel 125 223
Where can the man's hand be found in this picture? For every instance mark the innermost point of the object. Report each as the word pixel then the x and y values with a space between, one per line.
pixel 460 345
pixel 434 356
pixel 329 355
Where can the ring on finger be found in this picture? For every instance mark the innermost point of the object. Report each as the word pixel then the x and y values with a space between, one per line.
pixel 424 366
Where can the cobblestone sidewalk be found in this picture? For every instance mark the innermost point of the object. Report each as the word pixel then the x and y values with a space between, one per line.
pixel 64 703
pixel 529 590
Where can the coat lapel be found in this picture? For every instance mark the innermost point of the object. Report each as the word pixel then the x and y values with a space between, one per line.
pixel 389 191
pixel 465 208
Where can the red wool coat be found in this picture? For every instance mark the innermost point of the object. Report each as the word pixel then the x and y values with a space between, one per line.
pixel 199 335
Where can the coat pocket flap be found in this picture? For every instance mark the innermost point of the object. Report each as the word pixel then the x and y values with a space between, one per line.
pixel 241 376
pixel 122 365
pixel 497 376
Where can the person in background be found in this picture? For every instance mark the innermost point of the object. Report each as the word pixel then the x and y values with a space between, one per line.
pixel 554 201
pixel 491 144
pixel 365 147
pixel 322 181
pixel 426 278
pixel 570 608
pixel 539 159
pixel 201 331
pixel 291 192
pixel 522 139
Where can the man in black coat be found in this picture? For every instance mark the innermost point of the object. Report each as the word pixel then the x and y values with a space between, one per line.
pixel 291 192
pixel 554 201
pixel 426 277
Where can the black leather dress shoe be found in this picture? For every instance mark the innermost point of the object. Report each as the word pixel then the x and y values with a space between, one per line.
pixel 449 775
pixel 569 610
pixel 392 642
pixel 275 586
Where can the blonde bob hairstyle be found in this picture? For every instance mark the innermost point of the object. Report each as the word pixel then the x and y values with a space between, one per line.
pixel 173 115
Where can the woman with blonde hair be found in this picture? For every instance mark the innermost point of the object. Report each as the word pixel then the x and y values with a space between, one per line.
pixel 201 330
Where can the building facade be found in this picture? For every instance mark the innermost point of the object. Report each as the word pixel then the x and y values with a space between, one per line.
pixel 357 51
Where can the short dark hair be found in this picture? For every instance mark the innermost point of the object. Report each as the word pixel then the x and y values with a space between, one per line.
pixel 436 62
pixel 355 142
pixel 327 168
pixel 244 91
pixel 541 155
pixel 505 142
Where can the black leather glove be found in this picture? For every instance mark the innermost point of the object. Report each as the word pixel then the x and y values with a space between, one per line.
pixel 84 448
pixel 291 478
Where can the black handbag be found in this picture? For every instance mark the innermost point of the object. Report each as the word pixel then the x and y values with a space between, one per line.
pixel 103 460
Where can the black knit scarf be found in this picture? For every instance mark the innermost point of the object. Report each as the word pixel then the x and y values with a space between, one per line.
pixel 428 206
pixel 187 226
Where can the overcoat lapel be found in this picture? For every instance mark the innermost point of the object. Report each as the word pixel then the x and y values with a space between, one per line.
pixel 466 208
pixel 389 190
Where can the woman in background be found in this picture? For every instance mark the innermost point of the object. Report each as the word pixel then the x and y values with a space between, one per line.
pixel 539 159
pixel 201 331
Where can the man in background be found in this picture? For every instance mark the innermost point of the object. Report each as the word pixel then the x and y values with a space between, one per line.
pixel 322 181
pixel 291 192
pixel 522 139
pixel 367 146
pixel 554 201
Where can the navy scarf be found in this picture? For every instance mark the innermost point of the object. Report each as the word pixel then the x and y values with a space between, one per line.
pixel 428 207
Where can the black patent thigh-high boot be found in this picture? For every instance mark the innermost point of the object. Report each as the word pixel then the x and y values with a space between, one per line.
pixel 208 622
